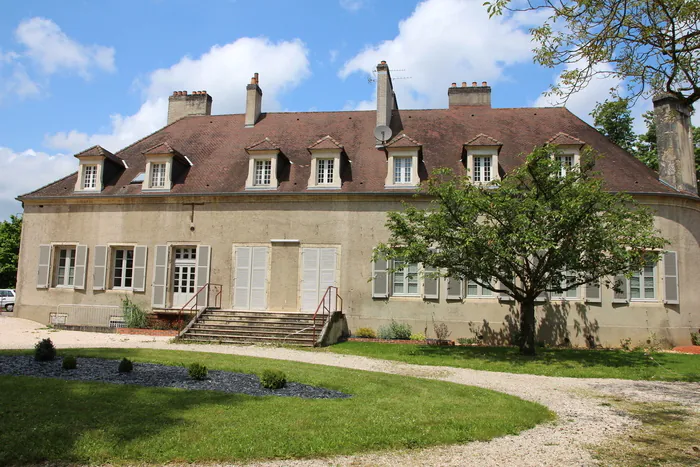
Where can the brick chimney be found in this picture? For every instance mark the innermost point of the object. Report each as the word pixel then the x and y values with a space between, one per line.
pixel 386 100
pixel 674 143
pixel 469 95
pixel 181 104
pixel 253 102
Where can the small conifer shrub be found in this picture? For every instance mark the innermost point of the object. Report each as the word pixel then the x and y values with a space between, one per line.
pixel 273 379
pixel 44 351
pixel 197 372
pixel 125 366
pixel 69 363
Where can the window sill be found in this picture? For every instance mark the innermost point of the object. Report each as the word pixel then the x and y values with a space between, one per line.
pixel 405 297
pixel 119 289
pixel 261 188
pixel 156 190
pixel 63 287
pixel 323 187
pixel 401 187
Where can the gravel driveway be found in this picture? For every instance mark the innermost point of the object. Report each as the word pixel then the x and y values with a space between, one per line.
pixel 582 420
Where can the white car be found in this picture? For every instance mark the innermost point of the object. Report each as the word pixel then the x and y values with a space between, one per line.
pixel 7 300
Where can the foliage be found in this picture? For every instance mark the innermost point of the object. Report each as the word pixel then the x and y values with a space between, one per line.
pixel 533 232
pixel 44 350
pixel 613 118
pixel 69 363
pixel 134 315
pixel 649 46
pixel 395 330
pixel 417 337
pixel 626 344
pixel 441 331
pixel 366 332
pixel 695 337
pixel 126 366
pixel 273 379
pixel 645 147
pixel 467 340
pixel 197 372
pixel 10 233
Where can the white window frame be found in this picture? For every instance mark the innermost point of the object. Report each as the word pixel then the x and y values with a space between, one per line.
pixel 153 161
pixel 89 177
pixel 571 294
pixel 640 275
pixel 406 281
pixel 256 156
pixel 564 151
pixel 158 171
pixel 113 266
pixel 394 155
pixel 262 173
pixel 325 171
pixel 403 168
pixel 318 155
pixel 481 292
pixel 481 152
pixel 90 161
pixel 57 249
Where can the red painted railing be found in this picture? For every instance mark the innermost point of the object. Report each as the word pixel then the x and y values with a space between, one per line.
pixel 330 303
pixel 207 289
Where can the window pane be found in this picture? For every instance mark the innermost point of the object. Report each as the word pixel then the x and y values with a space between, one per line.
pixel 487 169
pixel 402 169
pixel 263 172
pixel 472 289
pixel 477 169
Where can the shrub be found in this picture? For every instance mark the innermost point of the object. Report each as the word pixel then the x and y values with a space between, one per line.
pixel 385 332
pixel 418 337
pixel 197 372
pixel 134 315
pixel 366 332
pixel 69 363
pixel 125 366
pixel 695 337
pixel 44 350
pixel 441 331
pixel 273 379
pixel 467 340
pixel 626 344
pixel 401 331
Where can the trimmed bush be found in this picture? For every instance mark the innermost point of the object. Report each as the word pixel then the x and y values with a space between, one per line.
pixel 197 372
pixel 695 337
pixel 366 332
pixel 44 351
pixel 69 363
pixel 273 379
pixel 395 330
pixel 418 337
pixel 134 315
pixel 126 366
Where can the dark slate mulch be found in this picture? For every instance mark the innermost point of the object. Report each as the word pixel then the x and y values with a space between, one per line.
pixel 156 375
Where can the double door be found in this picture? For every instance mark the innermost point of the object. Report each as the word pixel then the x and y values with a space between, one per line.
pixel 184 270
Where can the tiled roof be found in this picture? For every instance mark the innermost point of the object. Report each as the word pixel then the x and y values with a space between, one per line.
pixel 217 146
pixel 483 140
pixel 98 150
pixel 403 141
pixel 263 145
pixel 326 143
pixel 563 139
pixel 160 148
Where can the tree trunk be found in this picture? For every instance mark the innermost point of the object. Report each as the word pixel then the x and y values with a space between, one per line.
pixel 527 327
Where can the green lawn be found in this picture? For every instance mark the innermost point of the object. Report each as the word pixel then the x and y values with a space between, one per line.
pixel 576 363
pixel 56 421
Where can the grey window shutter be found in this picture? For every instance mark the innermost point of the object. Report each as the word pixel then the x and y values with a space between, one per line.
pixel 42 277
pixel 99 273
pixel 202 277
pixel 160 276
pixel 593 292
pixel 455 288
pixel 81 253
pixel 140 257
pixel 380 278
pixel 431 285
pixel 622 295
pixel 671 295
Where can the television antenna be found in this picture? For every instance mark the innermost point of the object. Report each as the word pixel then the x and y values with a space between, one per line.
pixel 373 77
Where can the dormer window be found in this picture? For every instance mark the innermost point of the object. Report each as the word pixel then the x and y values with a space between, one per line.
pixel 482 159
pixel 158 175
pixel 481 171
pixel 262 165
pixel 162 164
pixel 89 177
pixel 403 170
pixel 325 171
pixel 263 172
pixel 402 158
pixel 326 158
pixel 97 165
pixel 569 151
pixel 566 162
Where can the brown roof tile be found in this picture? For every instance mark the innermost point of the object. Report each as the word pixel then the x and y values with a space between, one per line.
pixel 483 140
pixel 160 148
pixel 326 143
pixel 217 147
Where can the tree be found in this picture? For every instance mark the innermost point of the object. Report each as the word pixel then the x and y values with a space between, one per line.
pixel 645 147
pixel 649 45
pixel 614 120
pixel 534 232
pixel 10 232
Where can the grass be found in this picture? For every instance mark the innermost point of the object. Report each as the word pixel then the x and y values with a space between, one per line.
pixel 576 363
pixel 668 436
pixel 56 421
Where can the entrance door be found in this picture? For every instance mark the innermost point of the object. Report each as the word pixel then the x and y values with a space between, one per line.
pixel 184 269
pixel 250 288
pixel 318 273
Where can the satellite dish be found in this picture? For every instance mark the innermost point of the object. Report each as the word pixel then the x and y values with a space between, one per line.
pixel 382 133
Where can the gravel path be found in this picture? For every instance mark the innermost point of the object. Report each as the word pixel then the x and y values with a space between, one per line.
pixel 583 420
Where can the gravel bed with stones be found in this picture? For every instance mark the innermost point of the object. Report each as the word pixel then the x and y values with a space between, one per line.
pixel 156 375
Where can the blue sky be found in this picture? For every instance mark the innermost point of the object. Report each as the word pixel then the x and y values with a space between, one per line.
pixel 78 73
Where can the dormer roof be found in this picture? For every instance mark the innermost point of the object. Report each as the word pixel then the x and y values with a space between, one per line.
pixel 99 151
pixel 165 148
pixel 263 145
pixel 403 141
pixel 483 140
pixel 564 139
pixel 327 142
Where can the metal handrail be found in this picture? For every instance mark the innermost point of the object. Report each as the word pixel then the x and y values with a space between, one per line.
pixel 326 309
pixel 207 286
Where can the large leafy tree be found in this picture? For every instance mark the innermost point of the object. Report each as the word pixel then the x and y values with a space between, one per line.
pixel 10 232
pixel 649 45
pixel 613 118
pixel 532 233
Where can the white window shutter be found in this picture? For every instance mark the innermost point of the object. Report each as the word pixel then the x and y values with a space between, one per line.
pixel 623 294
pixel 455 288
pixel 593 292
pixel 241 292
pixel 431 285
pixel 327 265
pixel 202 275
pixel 380 278
pixel 42 278
pixel 258 279
pixel 310 258
pixel 140 257
pixel 160 277
pixel 81 253
pixel 671 295
pixel 99 271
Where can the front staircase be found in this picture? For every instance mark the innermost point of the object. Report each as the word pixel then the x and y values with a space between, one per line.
pixel 254 327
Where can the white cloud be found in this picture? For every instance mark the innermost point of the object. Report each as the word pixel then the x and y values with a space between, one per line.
pixel 19 83
pixel 332 55
pixel 26 171
pixel 50 48
pixel 223 72
pixel 351 5
pixel 446 41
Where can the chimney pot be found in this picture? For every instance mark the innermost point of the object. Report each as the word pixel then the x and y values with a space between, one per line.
pixel 383 62
pixel 464 84
pixel 454 85
pixel 473 96
pixel 483 83
pixel 473 83
pixel 198 104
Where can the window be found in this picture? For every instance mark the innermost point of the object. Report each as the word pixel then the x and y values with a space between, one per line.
pixel 65 267
pixel 123 268
pixel 643 283
pixel 571 293
pixel 481 172
pixel 405 280
pixel 325 171
pixel 158 175
pixel 566 161
pixel 263 172
pixel 89 177
pixel 403 167
pixel 475 290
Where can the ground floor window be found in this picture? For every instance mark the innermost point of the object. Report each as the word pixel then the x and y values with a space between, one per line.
pixel 643 283
pixel 122 268
pixel 571 293
pixel 65 267
pixel 405 280
pixel 475 290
